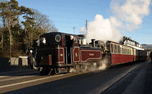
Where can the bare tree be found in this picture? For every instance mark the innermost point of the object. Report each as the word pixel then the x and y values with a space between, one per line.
pixel 43 23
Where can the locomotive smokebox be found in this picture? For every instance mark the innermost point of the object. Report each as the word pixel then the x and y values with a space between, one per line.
pixel 93 42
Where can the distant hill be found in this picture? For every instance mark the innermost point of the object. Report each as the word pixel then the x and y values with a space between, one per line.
pixel 147 46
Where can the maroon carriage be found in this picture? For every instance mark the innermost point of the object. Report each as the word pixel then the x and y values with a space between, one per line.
pixel 119 53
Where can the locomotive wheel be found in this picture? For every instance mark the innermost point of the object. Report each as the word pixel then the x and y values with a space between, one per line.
pixel 48 71
pixel 55 71
pixel 45 71
pixel 42 71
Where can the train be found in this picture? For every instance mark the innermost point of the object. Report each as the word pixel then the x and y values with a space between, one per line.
pixel 57 51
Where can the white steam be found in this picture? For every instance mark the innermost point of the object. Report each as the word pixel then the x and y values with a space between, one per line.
pixel 103 64
pixel 82 30
pixel 101 29
pixel 128 15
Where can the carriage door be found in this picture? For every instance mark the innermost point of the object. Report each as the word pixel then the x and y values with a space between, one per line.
pixel 75 54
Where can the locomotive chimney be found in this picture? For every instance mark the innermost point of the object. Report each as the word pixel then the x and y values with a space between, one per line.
pixel 93 42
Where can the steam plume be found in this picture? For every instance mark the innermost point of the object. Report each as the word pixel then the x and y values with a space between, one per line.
pixel 128 15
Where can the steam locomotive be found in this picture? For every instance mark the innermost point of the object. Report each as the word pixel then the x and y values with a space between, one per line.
pixel 58 51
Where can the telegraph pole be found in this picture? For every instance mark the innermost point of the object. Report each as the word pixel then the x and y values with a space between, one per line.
pixel 86 25
pixel 73 29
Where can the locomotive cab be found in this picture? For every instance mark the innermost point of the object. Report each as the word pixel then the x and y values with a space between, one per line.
pixel 55 49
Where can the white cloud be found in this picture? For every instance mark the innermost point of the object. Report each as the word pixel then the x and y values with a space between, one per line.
pixel 131 12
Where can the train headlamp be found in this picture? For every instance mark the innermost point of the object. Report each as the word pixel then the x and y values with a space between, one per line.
pixel 43 40
pixel 57 38
pixel 31 51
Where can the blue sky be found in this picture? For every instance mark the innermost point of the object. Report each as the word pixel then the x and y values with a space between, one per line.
pixel 67 14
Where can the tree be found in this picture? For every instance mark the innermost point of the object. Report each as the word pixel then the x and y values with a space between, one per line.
pixel 28 25
pixel 16 33
pixel 43 23
pixel 3 7
pixel 10 10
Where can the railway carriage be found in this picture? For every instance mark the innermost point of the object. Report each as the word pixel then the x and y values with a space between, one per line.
pixel 58 51
pixel 120 53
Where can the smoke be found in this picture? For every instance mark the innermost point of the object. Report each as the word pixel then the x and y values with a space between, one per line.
pixel 127 16
pixel 92 67
pixel 82 30
pixel 103 29
pixel 103 64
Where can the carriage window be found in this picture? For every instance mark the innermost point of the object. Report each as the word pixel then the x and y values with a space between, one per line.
pixel 118 49
pixel 115 49
pixel 126 50
pixel 131 52
pixel 134 51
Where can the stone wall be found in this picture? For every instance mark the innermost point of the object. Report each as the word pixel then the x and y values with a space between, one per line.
pixel 21 61
pixel 10 64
